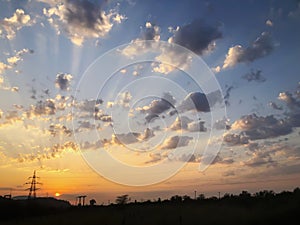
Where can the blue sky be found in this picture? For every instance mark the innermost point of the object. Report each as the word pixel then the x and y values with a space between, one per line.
pixel 57 100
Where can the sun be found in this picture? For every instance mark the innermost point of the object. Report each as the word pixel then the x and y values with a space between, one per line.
pixel 57 194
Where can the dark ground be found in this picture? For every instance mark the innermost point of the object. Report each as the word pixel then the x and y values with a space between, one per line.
pixel 264 207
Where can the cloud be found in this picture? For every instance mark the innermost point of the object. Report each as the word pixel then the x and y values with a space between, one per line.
pixel 42 107
pixel 124 99
pixel 12 24
pixel 155 157
pixel 13 60
pixel 228 90
pixel 59 129
pixel 181 123
pixel 289 99
pixel 260 127
pixel 170 60
pixel 82 20
pixel 62 81
pixel 260 158
pixel 296 13
pixel 132 137
pixel 197 36
pixel 275 106
pixel 235 139
pixel 255 127
pixel 184 123
pixel 176 142
pixel 149 32
pixel 219 160
pixel 254 76
pixel 261 47
pixel 158 106
pixel 269 23
pixel 222 124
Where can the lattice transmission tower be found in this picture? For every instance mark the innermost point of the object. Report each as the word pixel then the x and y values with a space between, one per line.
pixel 33 185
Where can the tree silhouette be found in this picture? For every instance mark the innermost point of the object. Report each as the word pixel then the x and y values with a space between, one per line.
pixel 122 199
pixel 92 202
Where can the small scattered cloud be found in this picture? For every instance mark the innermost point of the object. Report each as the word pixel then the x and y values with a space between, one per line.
pixel 254 76
pixel 124 99
pixel 261 47
pixel 269 23
pixel 12 61
pixel 14 23
pixel 59 129
pixel 62 81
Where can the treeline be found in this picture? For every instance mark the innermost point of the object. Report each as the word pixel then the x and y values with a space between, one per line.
pixel 243 197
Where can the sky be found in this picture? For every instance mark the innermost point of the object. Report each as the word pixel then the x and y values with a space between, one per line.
pixel 149 98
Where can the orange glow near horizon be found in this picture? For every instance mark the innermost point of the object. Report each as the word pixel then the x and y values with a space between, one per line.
pixel 57 194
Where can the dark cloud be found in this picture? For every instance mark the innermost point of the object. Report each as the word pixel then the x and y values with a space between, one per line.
pixel 63 80
pixel 82 19
pixel 228 90
pixel 261 47
pixel 254 76
pixel 158 106
pixel 197 36
pixel 199 101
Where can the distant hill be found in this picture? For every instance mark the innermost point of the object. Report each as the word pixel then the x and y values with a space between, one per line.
pixel 20 207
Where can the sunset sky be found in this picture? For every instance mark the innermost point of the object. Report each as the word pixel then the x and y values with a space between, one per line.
pixel 104 98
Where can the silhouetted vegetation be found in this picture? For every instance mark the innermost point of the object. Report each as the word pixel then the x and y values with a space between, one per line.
pixel 263 207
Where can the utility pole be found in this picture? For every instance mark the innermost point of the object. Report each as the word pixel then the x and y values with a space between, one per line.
pixel 33 188
pixel 195 195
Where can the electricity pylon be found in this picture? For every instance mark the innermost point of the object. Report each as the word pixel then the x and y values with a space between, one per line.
pixel 33 188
